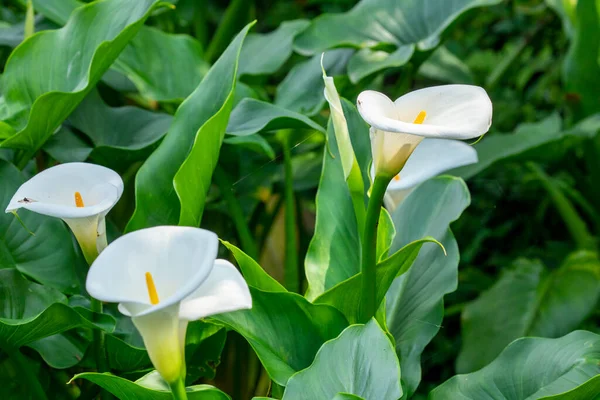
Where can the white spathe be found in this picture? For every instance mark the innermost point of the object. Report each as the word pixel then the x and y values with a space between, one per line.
pixel 452 112
pixel 431 158
pixel 190 284
pixel 52 193
pixel 340 126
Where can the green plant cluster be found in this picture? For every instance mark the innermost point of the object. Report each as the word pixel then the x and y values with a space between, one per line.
pixel 485 280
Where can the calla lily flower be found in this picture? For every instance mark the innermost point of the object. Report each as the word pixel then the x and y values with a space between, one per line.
pixel 164 277
pixel 81 194
pixel 431 158
pixel 446 112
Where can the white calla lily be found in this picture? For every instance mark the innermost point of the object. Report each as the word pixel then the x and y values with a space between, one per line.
pixel 431 158
pixel 447 112
pixel 164 277
pixel 79 193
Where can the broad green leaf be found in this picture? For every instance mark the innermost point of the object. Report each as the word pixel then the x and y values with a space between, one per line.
pixel 414 302
pixel 285 330
pixel 530 369
pixel 302 89
pixel 253 273
pixel 31 312
pixel 334 251
pixel 187 155
pixel 444 66
pixel 529 301
pixel 361 361
pixel 251 116
pixel 66 146
pixel 529 141
pixel 266 53
pixel 586 391
pixel 48 256
pixel 374 22
pixel 163 66
pixel 39 95
pixel 343 295
pixel 63 350
pixel 149 387
pixel 120 135
pixel 581 70
pixel 366 61
pixel 255 143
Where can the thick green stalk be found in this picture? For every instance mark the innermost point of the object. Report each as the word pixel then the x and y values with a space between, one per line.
pixel 236 212
pixel 25 369
pixel 236 16
pixel 291 252
pixel 178 390
pixel 369 248
pixel 571 218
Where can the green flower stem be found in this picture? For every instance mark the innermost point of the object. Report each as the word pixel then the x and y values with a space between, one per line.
pixel 178 390
pixel 369 248
pixel 291 251
pixel 236 212
pixel 26 370
pixel 99 351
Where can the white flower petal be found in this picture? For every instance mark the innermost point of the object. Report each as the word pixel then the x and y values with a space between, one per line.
pixel 52 191
pixel 161 332
pixel 431 158
pixel 453 111
pixel 179 259
pixel 340 125
pixel 223 291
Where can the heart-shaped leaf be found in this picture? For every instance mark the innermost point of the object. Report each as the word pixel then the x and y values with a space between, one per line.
pixel 171 185
pixel 414 302
pixel 31 312
pixel 361 361
pixel 530 368
pixel 39 96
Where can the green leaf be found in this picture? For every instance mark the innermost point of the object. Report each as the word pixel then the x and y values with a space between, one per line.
pixel 334 251
pixel 585 391
pixel 48 256
pixel 444 66
pixel 255 143
pixel 414 302
pixel 285 330
pixel 530 368
pixel 66 146
pixel 366 61
pixel 374 22
pixel 40 95
pixel 120 135
pixel 163 66
pixel 266 53
pixel 343 296
pixel 31 312
pixel 346 396
pixel 253 273
pixel 251 116
pixel 181 168
pixel 581 69
pixel 529 301
pixel 149 387
pixel 385 234
pixel 302 89
pixel 529 141
pixel 361 361
pixel 63 350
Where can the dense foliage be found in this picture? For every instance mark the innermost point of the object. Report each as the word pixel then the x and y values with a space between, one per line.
pixel 479 280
